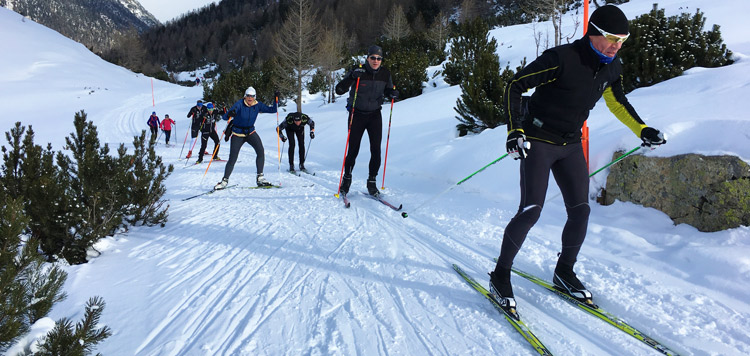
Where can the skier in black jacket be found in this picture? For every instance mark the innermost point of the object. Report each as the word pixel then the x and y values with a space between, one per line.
pixel 196 113
pixel 209 117
pixel 545 133
pixel 375 85
pixel 294 125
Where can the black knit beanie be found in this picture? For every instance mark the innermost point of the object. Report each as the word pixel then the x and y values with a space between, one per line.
pixel 379 51
pixel 609 18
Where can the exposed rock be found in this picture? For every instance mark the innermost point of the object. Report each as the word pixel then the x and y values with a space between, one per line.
pixel 711 193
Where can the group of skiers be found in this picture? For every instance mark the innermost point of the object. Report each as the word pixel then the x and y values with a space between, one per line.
pixel 568 81
pixel 165 125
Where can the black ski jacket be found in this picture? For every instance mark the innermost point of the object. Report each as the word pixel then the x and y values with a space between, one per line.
pixel 196 113
pixel 569 80
pixel 374 86
pixel 288 123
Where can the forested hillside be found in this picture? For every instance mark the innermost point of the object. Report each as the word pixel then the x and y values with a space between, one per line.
pixel 236 33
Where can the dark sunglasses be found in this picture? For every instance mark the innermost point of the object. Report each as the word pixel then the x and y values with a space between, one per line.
pixel 374 58
pixel 249 96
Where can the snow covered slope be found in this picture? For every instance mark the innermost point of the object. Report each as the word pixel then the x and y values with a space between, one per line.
pixel 291 272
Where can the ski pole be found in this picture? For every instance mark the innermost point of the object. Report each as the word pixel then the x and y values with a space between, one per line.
pixel 308 149
pixel 348 132
pixel 216 149
pixel 183 143
pixel 387 140
pixel 618 159
pixel 405 215
pixel 278 137
pixel 158 137
pixel 195 140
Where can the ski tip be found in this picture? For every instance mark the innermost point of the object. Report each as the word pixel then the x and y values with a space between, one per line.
pixel 400 206
pixel 347 205
pixel 404 215
pixel 336 195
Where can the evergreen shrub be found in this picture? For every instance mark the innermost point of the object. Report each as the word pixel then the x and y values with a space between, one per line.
pixel 661 48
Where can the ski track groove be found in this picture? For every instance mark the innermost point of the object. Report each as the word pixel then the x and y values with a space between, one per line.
pixel 393 323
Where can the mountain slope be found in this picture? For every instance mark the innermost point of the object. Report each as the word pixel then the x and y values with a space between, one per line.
pixel 92 23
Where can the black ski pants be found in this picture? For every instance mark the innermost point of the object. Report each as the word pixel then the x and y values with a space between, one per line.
pixel 204 143
pixel 569 168
pixel 167 134
pixel 300 134
pixel 373 124
pixel 234 151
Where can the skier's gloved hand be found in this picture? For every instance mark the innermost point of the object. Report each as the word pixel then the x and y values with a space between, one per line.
pixel 283 138
pixel 357 72
pixel 277 94
pixel 312 135
pixel 394 94
pixel 232 113
pixel 652 137
pixel 517 145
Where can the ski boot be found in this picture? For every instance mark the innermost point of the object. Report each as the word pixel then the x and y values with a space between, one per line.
pixel 190 154
pixel 346 183
pixel 261 181
pixel 372 186
pixel 302 167
pixel 566 281
pixel 221 185
pixel 291 167
pixel 502 291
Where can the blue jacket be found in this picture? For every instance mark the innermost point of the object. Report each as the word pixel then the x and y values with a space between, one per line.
pixel 244 120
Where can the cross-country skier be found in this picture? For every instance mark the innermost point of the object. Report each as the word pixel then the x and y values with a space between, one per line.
pixel 153 125
pixel 294 125
pixel 242 130
pixel 569 80
pixel 209 117
pixel 375 85
pixel 166 126
pixel 196 113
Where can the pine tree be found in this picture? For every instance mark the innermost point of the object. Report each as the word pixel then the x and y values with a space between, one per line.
pixel 144 175
pixel 478 67
pixel 30 174
pixel 64 339
pixel 661 48
pixel 294 45
pixel 407 60
pixel 28 287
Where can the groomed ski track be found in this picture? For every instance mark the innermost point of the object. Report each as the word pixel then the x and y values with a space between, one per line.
pixel 292 272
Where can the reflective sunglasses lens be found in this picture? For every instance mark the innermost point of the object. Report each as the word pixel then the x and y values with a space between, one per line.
pixel 374 58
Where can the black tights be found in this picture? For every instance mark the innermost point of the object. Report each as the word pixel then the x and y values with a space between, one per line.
pixel 301 138
pixel 569 168
pixel 373 124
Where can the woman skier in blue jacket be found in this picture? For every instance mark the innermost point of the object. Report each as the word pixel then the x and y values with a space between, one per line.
pixel 241 129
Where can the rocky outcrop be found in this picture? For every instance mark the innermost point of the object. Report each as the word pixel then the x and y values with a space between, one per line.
pixel 711 193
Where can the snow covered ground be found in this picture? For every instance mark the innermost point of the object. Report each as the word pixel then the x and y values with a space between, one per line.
pixel 291 272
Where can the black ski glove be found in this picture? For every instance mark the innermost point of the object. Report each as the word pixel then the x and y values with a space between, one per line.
pixel 394 94
pixel 277 94
pixel 652 137
pixel 357 72
pixel 312 135
pixel 232 113
pixel 283 139
pixel 517 145
pixel 228 132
